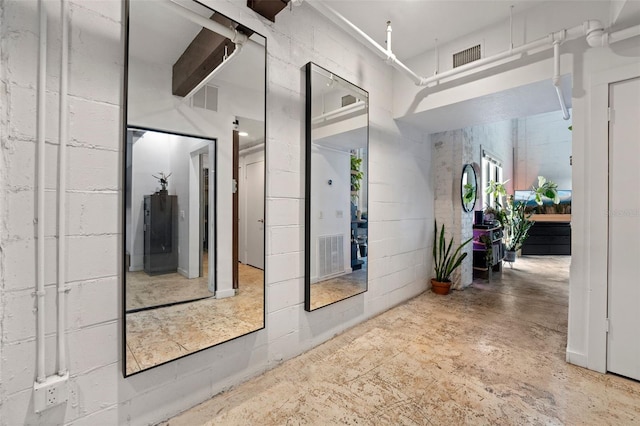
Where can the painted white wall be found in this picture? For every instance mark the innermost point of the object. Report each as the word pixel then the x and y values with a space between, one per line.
pixel 543 148
pixel 330 204
pixel 399 229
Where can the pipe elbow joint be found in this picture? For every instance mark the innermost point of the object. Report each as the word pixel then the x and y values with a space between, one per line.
pixel 556 81
pixel 594 30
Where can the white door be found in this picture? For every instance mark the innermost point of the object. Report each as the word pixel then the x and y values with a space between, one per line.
pixel 255 214
pixel 623 352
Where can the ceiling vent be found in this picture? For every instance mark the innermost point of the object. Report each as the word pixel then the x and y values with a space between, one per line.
pixel 465 56
pixel 206 98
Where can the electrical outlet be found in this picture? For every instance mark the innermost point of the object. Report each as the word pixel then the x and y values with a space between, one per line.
pixel 53 391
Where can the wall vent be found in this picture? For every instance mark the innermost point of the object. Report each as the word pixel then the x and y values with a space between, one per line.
pixel 330 255
pixel 206 98
pixel 467 55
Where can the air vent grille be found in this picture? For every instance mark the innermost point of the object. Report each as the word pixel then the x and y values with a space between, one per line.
pixel 468 55
pixel 206 98
pixel 330 255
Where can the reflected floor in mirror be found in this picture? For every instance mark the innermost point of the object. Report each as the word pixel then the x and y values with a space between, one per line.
pixel 157 335
pixel 144 290
pixel 327 292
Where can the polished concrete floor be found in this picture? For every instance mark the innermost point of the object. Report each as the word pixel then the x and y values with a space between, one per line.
pixel 144 290
pixel 161 334
pixel 491 354
pixel 329 291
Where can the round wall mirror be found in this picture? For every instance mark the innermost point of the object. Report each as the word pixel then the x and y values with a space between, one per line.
pixel 469 188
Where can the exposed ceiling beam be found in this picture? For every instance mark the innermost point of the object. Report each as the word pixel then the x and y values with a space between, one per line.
pixel 267 8
pixel 202 56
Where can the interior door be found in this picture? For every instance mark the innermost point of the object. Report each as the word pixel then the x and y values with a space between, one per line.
pixel 255 214
pixel 623 351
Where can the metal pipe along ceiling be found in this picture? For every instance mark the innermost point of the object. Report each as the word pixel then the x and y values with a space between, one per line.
pixel 596 36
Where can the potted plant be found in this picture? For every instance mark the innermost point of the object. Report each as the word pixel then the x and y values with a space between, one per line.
pixel 356 175
pixel 445 261
pixel 513 215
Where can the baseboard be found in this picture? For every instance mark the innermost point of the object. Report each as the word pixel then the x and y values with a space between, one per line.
pixel 223 294
pixel 576 358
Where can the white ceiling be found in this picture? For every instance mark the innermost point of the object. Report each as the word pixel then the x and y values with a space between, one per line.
pixel 417 23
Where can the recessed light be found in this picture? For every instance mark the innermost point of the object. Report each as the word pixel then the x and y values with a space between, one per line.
pixel 243 133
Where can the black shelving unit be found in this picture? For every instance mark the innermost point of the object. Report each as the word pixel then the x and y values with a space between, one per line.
pixel 160 233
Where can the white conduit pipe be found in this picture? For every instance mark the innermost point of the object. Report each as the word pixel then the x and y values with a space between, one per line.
pixel 336 17
pixel 389 30
pixel 62 187
pixel 209 24
pixel 41 147
pixel 556 79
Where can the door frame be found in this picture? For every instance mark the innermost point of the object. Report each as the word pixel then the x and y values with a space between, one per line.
pixel 594 255
pixel 195 243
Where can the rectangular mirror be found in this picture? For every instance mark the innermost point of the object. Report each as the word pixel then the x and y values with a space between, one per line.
pixel 337 152
pixel 193 183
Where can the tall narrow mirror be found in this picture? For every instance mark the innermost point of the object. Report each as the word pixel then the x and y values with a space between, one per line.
pixel 337 142
pixel 193 181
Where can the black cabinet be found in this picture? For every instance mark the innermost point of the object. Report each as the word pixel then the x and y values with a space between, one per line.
pixel 160 233
pixel 548 238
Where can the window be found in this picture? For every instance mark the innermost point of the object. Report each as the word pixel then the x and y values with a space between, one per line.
pixel 491 171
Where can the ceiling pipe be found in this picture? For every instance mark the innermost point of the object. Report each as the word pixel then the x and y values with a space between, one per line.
pixel 209 24
pixel 343 22
pixel 40 213
pixel 596 36
pixel 557 82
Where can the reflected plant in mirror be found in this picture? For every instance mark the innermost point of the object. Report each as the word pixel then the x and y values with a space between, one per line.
pixel 194 181
pixel 468 187
pixel 337 190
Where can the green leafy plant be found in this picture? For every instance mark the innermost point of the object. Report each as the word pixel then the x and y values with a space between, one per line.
pixel 469 193
pixel 356 174
pixel 446 261
pixel 513 216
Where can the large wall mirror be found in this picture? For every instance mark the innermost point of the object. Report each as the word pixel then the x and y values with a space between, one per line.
pixel 337 142
pixel 194 181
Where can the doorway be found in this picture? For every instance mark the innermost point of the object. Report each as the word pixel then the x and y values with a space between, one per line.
pixel 255 214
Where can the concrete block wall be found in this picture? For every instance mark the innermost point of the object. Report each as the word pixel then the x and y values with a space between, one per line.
pixel 451 151
pixel 401 215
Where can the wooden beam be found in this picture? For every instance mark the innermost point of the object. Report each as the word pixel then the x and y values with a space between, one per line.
pixel 202 56
pixel 267 8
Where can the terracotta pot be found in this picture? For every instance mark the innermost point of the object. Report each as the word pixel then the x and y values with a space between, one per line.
pixel 440 287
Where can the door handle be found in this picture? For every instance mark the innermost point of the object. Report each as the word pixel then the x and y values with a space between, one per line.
pixel 261 220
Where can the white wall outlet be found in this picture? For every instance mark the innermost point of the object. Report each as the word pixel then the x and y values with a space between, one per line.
pixel 53 391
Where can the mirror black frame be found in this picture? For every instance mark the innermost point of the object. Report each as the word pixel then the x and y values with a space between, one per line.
pixel 465 170
pixel 125 128
pixel 308 167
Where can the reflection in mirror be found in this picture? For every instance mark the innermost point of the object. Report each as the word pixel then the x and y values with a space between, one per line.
pixel 468 187
pixel 337 134
pixel 194 181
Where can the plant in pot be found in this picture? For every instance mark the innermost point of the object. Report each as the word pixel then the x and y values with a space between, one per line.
pixel 513 215
pixel 445 261
pixel 356 176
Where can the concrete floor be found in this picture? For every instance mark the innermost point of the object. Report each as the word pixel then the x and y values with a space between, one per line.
pixel 491 354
